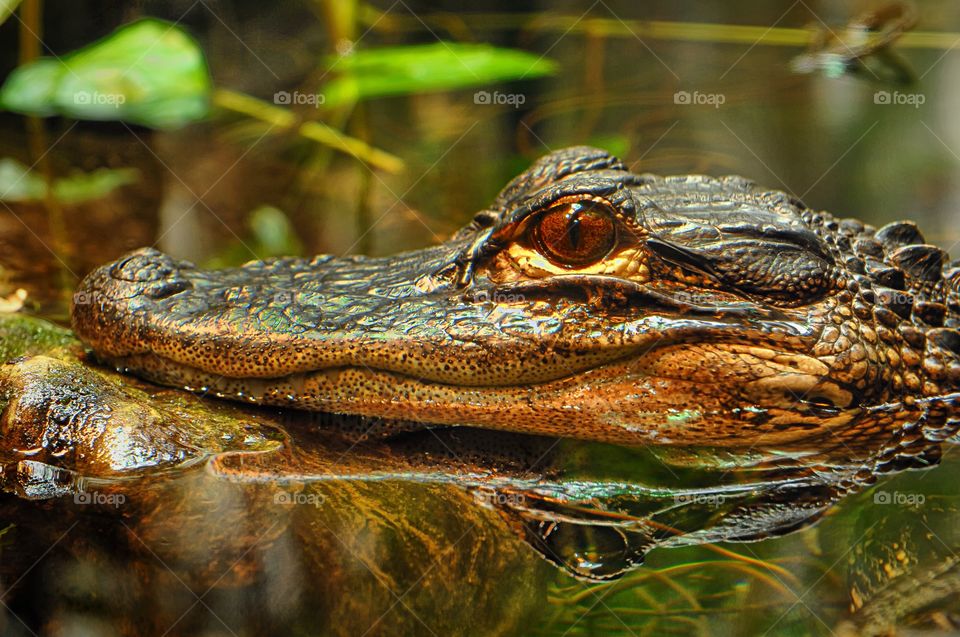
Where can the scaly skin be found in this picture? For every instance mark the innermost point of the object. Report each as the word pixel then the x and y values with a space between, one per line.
pixel 722 314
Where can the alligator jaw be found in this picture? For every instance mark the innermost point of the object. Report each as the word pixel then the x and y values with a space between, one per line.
pixel 631 401
pixel 594 357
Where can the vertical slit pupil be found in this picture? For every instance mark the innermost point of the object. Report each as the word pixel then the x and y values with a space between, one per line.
pixel 575 234
pixel 574 231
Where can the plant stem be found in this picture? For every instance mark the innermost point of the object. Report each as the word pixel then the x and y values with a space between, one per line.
pixel 31 30
pixel 315 131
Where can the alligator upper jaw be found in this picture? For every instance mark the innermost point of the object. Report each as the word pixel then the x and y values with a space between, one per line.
pixel 293 316
pixel 586 357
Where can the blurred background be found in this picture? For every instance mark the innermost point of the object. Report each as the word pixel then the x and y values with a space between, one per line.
pixel 237 130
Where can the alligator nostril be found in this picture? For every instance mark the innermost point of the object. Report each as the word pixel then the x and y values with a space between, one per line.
pixel 146 264
pixel 164 289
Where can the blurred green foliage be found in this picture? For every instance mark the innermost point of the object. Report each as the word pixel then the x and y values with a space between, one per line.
pixel 148 72
pixel 19 183
pixel 7 7
pixel 274 233
pixel 421 68
pixel 270 234
pixel 152 73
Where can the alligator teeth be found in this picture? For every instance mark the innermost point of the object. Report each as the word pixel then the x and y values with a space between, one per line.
pixel 899 233
pixel 923 262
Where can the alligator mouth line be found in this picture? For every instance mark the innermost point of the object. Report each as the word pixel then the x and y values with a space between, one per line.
pixel 612 292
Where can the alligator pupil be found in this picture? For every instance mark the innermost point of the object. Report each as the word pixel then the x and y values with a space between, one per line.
pixel 575 235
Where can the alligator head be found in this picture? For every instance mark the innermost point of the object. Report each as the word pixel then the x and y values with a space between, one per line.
pixel 587 301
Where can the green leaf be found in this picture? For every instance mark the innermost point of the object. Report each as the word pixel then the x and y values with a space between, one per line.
pixel 403 70
pixel 7 7
pixel 30 88
pixel 18 183
pixel 273 233
pixel 80 187
pixel 149 72
pixel 617 145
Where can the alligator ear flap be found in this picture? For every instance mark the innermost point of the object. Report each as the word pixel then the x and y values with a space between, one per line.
pixel 680 256
pixel 779 272
pixel 553 167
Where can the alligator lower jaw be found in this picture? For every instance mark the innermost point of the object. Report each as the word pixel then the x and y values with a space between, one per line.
pixel 616 403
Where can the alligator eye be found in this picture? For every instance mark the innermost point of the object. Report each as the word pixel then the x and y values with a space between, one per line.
pixel 575 234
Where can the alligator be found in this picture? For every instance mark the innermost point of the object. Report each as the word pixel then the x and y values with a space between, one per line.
pixel 587 301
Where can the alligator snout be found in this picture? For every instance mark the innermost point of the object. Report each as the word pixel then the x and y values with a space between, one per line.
pixel 142 273
pixel 111 297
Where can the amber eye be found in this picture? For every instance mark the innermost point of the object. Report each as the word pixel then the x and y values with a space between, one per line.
pixel 575 234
